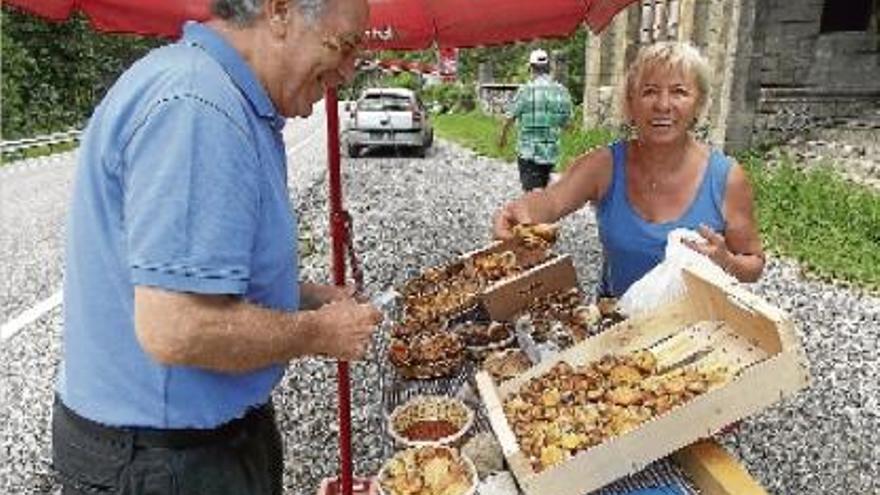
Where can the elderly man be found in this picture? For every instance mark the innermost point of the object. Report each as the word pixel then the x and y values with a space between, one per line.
pixel 542 108
pixel 182 305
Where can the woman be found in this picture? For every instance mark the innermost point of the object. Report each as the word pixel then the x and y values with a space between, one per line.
pixel 662 179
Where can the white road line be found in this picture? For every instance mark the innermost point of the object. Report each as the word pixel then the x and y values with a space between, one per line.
pixel 300 145
pixel 14 325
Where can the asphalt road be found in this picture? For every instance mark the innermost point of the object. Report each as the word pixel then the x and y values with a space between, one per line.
pixel 34 197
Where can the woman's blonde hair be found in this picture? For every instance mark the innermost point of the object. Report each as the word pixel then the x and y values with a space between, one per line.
pixel 668 54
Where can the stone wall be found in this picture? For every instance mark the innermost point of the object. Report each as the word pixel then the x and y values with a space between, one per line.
pixel 810 79
pixel 776 73
pixel 495 98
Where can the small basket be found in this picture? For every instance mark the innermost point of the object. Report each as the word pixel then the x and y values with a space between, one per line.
pixel 430 408
pixel 463 459
pixel 501 356
pixel 479 353
pixel 435 369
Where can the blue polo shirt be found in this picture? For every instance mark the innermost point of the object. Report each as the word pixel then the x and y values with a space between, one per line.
pixel 182 185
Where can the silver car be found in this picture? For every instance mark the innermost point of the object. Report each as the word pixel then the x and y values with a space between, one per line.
pixel 393 117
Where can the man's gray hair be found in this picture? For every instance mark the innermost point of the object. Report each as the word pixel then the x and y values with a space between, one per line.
pixel 242 13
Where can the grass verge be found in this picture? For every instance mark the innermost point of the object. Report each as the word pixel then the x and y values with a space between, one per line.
pixel 37 151
pixel 480 133
pixel 828 224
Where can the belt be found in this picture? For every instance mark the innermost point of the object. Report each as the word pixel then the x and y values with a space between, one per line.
pixel 174 438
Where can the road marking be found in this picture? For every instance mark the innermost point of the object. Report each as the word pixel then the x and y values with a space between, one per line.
pixel 14 325
pixel 300 145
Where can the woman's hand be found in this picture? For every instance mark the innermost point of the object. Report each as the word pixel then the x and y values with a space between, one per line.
pixel 715 248
pixel 510 215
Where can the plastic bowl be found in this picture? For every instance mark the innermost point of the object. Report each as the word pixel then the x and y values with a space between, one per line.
pixel 463 459
pixel 430 408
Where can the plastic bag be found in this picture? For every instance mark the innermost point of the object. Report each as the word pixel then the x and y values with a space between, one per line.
pixel 664 283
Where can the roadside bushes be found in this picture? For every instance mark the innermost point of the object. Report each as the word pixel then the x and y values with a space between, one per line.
pixel 55 73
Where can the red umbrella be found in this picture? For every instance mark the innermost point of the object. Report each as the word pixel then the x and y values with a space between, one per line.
pixel 394 24
pixel 154 18
pixel 421 24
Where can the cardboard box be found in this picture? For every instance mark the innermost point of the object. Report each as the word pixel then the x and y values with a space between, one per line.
pixel 755 340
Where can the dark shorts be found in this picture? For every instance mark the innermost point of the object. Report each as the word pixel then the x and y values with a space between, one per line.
pixel 533 175
pixel 241 457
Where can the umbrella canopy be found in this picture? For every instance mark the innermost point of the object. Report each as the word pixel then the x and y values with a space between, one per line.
pixel 421 24
pixel 394 24
pixel 148 17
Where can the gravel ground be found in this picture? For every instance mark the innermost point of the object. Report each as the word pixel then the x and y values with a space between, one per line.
pixel 410 214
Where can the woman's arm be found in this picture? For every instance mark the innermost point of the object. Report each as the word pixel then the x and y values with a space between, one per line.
pixel 738 251
pixel 586 179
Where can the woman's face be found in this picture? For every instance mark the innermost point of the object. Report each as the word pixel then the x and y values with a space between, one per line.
pixel 664 104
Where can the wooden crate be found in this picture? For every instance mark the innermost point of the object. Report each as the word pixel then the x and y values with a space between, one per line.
pixel 502 300
pixel 716 322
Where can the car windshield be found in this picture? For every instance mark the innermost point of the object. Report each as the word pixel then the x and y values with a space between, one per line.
pixel 385 102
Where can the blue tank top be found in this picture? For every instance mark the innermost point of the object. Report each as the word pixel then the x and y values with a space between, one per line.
pixel 631 245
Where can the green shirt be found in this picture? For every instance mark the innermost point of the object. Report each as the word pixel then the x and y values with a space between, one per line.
pixel 542 108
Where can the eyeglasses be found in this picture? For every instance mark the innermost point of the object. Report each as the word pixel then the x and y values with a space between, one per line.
pixel 346 44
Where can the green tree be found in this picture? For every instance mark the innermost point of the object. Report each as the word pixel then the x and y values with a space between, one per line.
pixel 510 62
pixel 55 73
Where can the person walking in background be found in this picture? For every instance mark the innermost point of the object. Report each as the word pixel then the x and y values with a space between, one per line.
pixel 541 108
pixel 182 300
pixel 662 179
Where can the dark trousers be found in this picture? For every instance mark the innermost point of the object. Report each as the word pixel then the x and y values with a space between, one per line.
pixel 244 456
pixel 533 175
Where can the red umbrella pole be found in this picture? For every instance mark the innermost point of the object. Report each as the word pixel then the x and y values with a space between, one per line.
pixel 337 235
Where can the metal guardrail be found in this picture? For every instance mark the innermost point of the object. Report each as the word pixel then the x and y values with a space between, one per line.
pixel 15 146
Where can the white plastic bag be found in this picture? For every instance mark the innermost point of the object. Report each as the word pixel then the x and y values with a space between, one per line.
pixel 664 282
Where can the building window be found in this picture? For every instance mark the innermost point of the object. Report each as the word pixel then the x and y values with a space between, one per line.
pixel 849 15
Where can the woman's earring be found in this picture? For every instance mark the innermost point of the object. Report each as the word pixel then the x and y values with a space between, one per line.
pixel 631 130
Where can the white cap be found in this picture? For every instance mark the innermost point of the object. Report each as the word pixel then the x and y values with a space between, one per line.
pixel 538 57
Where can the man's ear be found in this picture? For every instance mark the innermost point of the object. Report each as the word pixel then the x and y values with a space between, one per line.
pixel 278 13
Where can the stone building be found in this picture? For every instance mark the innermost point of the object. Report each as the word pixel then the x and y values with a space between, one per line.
pixel 781 67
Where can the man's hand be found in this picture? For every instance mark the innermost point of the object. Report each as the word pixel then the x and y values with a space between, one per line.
pixel 715 247
pixel 502 139
pixel 344 328
pixel 313 296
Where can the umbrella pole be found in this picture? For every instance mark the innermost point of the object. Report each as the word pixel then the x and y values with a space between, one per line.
pixel 338 234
